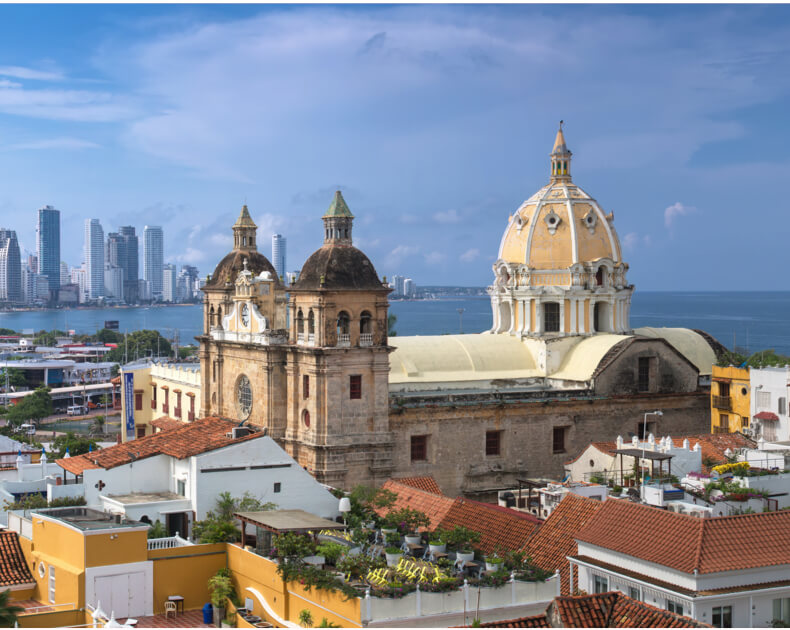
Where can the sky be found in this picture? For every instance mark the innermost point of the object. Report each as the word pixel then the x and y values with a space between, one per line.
pixel 435 121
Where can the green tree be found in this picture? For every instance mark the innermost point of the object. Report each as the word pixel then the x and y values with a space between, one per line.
pixel 141 343
pixel 219 524
pixel 157 530
pixel 77 445
pixel 16 377
pixel 33 407
pixel 47 337
pixel 8 610
pixel 105 335
pixel 392 319
pixel 7 331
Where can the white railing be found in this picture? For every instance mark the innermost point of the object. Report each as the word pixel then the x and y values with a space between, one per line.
pixel 366 339
pixel 168 543
pixel 311 339
pixel 300 337
pixel 344 341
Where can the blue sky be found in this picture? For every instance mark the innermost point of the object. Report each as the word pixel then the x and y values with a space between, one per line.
pixel 435 121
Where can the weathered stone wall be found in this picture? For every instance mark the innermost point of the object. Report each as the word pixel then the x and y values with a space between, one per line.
pixel 457 432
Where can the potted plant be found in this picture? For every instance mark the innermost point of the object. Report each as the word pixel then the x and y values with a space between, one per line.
pixel 462 539
pixel 413 539
pixel 393 555
pixel 436 542
pixel 406 520
pixel 220 586
pixel 331 551
pixel 493 563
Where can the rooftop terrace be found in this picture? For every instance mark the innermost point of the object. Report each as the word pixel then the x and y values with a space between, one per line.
pixel 87 519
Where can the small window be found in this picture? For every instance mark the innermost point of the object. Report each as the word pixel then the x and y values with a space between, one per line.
pixel 493 442
pixel 310 323
pixel 306 418
pixel 781 407
pixel 305 386
pixel 599 277
pixel 558 439
pixel 600 584
pixel 181 487
pixel 51 584
pixel 722 617
pixel 140 432
pixel 277 486
pixel 674 607
pixel 724 422
pixel 643 379
pixel 633 593
pixel 551 316
pixel 781 611
pixel 724 389
pixel 138 401
pixel 419 448
pixel 355 386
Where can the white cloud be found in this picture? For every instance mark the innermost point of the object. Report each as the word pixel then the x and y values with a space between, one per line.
pixel 53 143
pixel 75 105
pixel 401 253
pixel 434 258
pixel 19 72
pixel 448 216
pixel 676 210
pixel 633 241
pixel 5 83
pixel 470 255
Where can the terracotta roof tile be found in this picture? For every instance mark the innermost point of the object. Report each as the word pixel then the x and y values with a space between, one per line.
pixel 421 483
pixel 498 526
pixel 13 567
pixel 434 506
pixel 604 610
pixel 166 423
pixel 201 436
pixel 556 538
pixel 685 543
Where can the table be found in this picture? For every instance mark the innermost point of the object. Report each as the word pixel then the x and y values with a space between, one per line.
pixel 179 600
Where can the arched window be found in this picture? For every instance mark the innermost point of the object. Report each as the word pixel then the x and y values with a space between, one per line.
pixel 365 323
pixel 599 277
pixel 306 418
pixel 219 316
pixel 299 322
pixel 211 319
pixel 311 322
pixel 343 327
pixel 551 317
pixel 244 241
pixel 145 519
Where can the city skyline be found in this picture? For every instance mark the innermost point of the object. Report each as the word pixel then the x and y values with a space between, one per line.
pixel 449 98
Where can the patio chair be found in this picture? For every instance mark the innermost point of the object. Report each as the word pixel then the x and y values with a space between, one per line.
pixel 170 607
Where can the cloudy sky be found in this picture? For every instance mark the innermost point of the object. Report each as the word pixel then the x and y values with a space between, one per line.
pixel 435 121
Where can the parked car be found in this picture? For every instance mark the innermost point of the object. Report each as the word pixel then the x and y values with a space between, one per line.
pixel 76 410
pixel 28 428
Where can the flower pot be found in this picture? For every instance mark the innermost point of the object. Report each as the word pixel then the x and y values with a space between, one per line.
pixel 393 559
pixel 466 557
pixel 492 566
pixel 388 530
pixel 219 615
pixel 437 548
pixel 413 539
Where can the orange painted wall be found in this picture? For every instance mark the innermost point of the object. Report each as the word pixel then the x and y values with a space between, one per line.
pixel 185 571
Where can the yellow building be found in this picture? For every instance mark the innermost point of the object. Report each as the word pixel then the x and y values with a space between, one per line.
pixel 160 390
pixel 729 399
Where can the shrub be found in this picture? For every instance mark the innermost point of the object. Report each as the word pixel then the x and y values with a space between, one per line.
pixel 406 520
pixel 331 551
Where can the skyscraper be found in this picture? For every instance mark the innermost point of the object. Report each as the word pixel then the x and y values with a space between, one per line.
pixel 153 258
pixel 278 254
pixel 65 275
pixel 48 245
pixel 131 272
pixel 10 267
pixel 169 283
pixel 94 259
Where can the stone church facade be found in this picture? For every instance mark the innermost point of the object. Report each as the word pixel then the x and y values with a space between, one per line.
pixel 560 367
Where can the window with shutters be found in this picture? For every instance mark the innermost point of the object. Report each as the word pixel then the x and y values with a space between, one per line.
pixel 305 386
pixel 419 448
pixel 493 442
pixel 355 386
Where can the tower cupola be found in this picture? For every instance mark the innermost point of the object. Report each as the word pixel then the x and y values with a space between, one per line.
pixel 560 158
pixel 338 221
pixel 244 231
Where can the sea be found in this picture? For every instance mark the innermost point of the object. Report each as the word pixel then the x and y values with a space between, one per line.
pixel 750 321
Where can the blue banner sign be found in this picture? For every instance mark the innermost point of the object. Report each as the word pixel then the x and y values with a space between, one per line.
pixel 128 399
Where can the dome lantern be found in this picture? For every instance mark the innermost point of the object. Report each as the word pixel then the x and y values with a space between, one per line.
pixel 560 158
pixel 244 231
pixel 338 222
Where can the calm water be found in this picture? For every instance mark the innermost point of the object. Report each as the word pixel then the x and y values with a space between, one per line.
pixel 754 320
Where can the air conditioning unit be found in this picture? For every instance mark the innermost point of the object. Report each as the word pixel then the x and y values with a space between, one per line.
pixel 240 432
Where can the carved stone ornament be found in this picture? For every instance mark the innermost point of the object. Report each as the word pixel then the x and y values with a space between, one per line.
pixel 590 220
pixel 552 220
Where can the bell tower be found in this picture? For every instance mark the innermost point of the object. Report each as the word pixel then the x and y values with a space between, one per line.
pixel 244 231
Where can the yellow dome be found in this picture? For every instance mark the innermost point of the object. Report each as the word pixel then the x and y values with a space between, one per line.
pixel 560 225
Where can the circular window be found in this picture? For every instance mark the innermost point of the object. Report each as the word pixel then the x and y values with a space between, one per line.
pixel 244 397
pixel 552 220
pixel 306 418
pixel 42 570
pixel 589 218
pixel 744 391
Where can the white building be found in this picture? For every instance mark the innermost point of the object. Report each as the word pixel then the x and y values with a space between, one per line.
pixel 93 252
pixel 65 274
pixel 278 254
pixel 397 284
pixel 113 281
pixel 175 476
pixel 409 288
pixel 769 403
pixel 169 283
pixel 732 571
pixel 153 258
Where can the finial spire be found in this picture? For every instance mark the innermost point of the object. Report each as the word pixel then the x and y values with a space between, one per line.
pixel 244 230
pixel 560 158
pixel 337 222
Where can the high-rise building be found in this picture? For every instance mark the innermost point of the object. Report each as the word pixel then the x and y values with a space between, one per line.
pixel 10 267
pixel 130 265
pixel 278 254
pixel 409 288
pixel 188 283
pixel 113 281
pixel 397 285
pixel 78 278
pixel 48 245
pixel 153 258
pixel 169 283
pixel 65 275
pixel 94 259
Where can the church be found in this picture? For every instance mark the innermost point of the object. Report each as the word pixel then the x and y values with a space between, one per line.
pixel 560 367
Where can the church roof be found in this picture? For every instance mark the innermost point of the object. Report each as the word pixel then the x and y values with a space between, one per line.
pixel 245 220
pixel 230 266
pixel 338 207
pixel 338 267
pixel 691 344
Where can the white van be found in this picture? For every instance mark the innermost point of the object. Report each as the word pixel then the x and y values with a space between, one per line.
pixel 76 410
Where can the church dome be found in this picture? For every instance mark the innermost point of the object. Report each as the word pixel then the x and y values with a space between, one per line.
pixel 341 267
pixel 560 225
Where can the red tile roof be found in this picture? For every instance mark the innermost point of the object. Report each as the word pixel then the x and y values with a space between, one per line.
pixel 498 526
pixel 13 567
pixel 556 538
pixel 201 436
pixel 421 483
pixel 165 423
pixel 434 506
pixel 604 610
pixel 686 543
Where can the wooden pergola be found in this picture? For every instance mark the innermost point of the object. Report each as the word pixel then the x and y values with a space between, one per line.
pixel 639 454
pixel 280 521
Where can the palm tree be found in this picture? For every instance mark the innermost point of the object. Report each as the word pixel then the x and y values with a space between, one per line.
pixel 98 425
pixel 8 610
